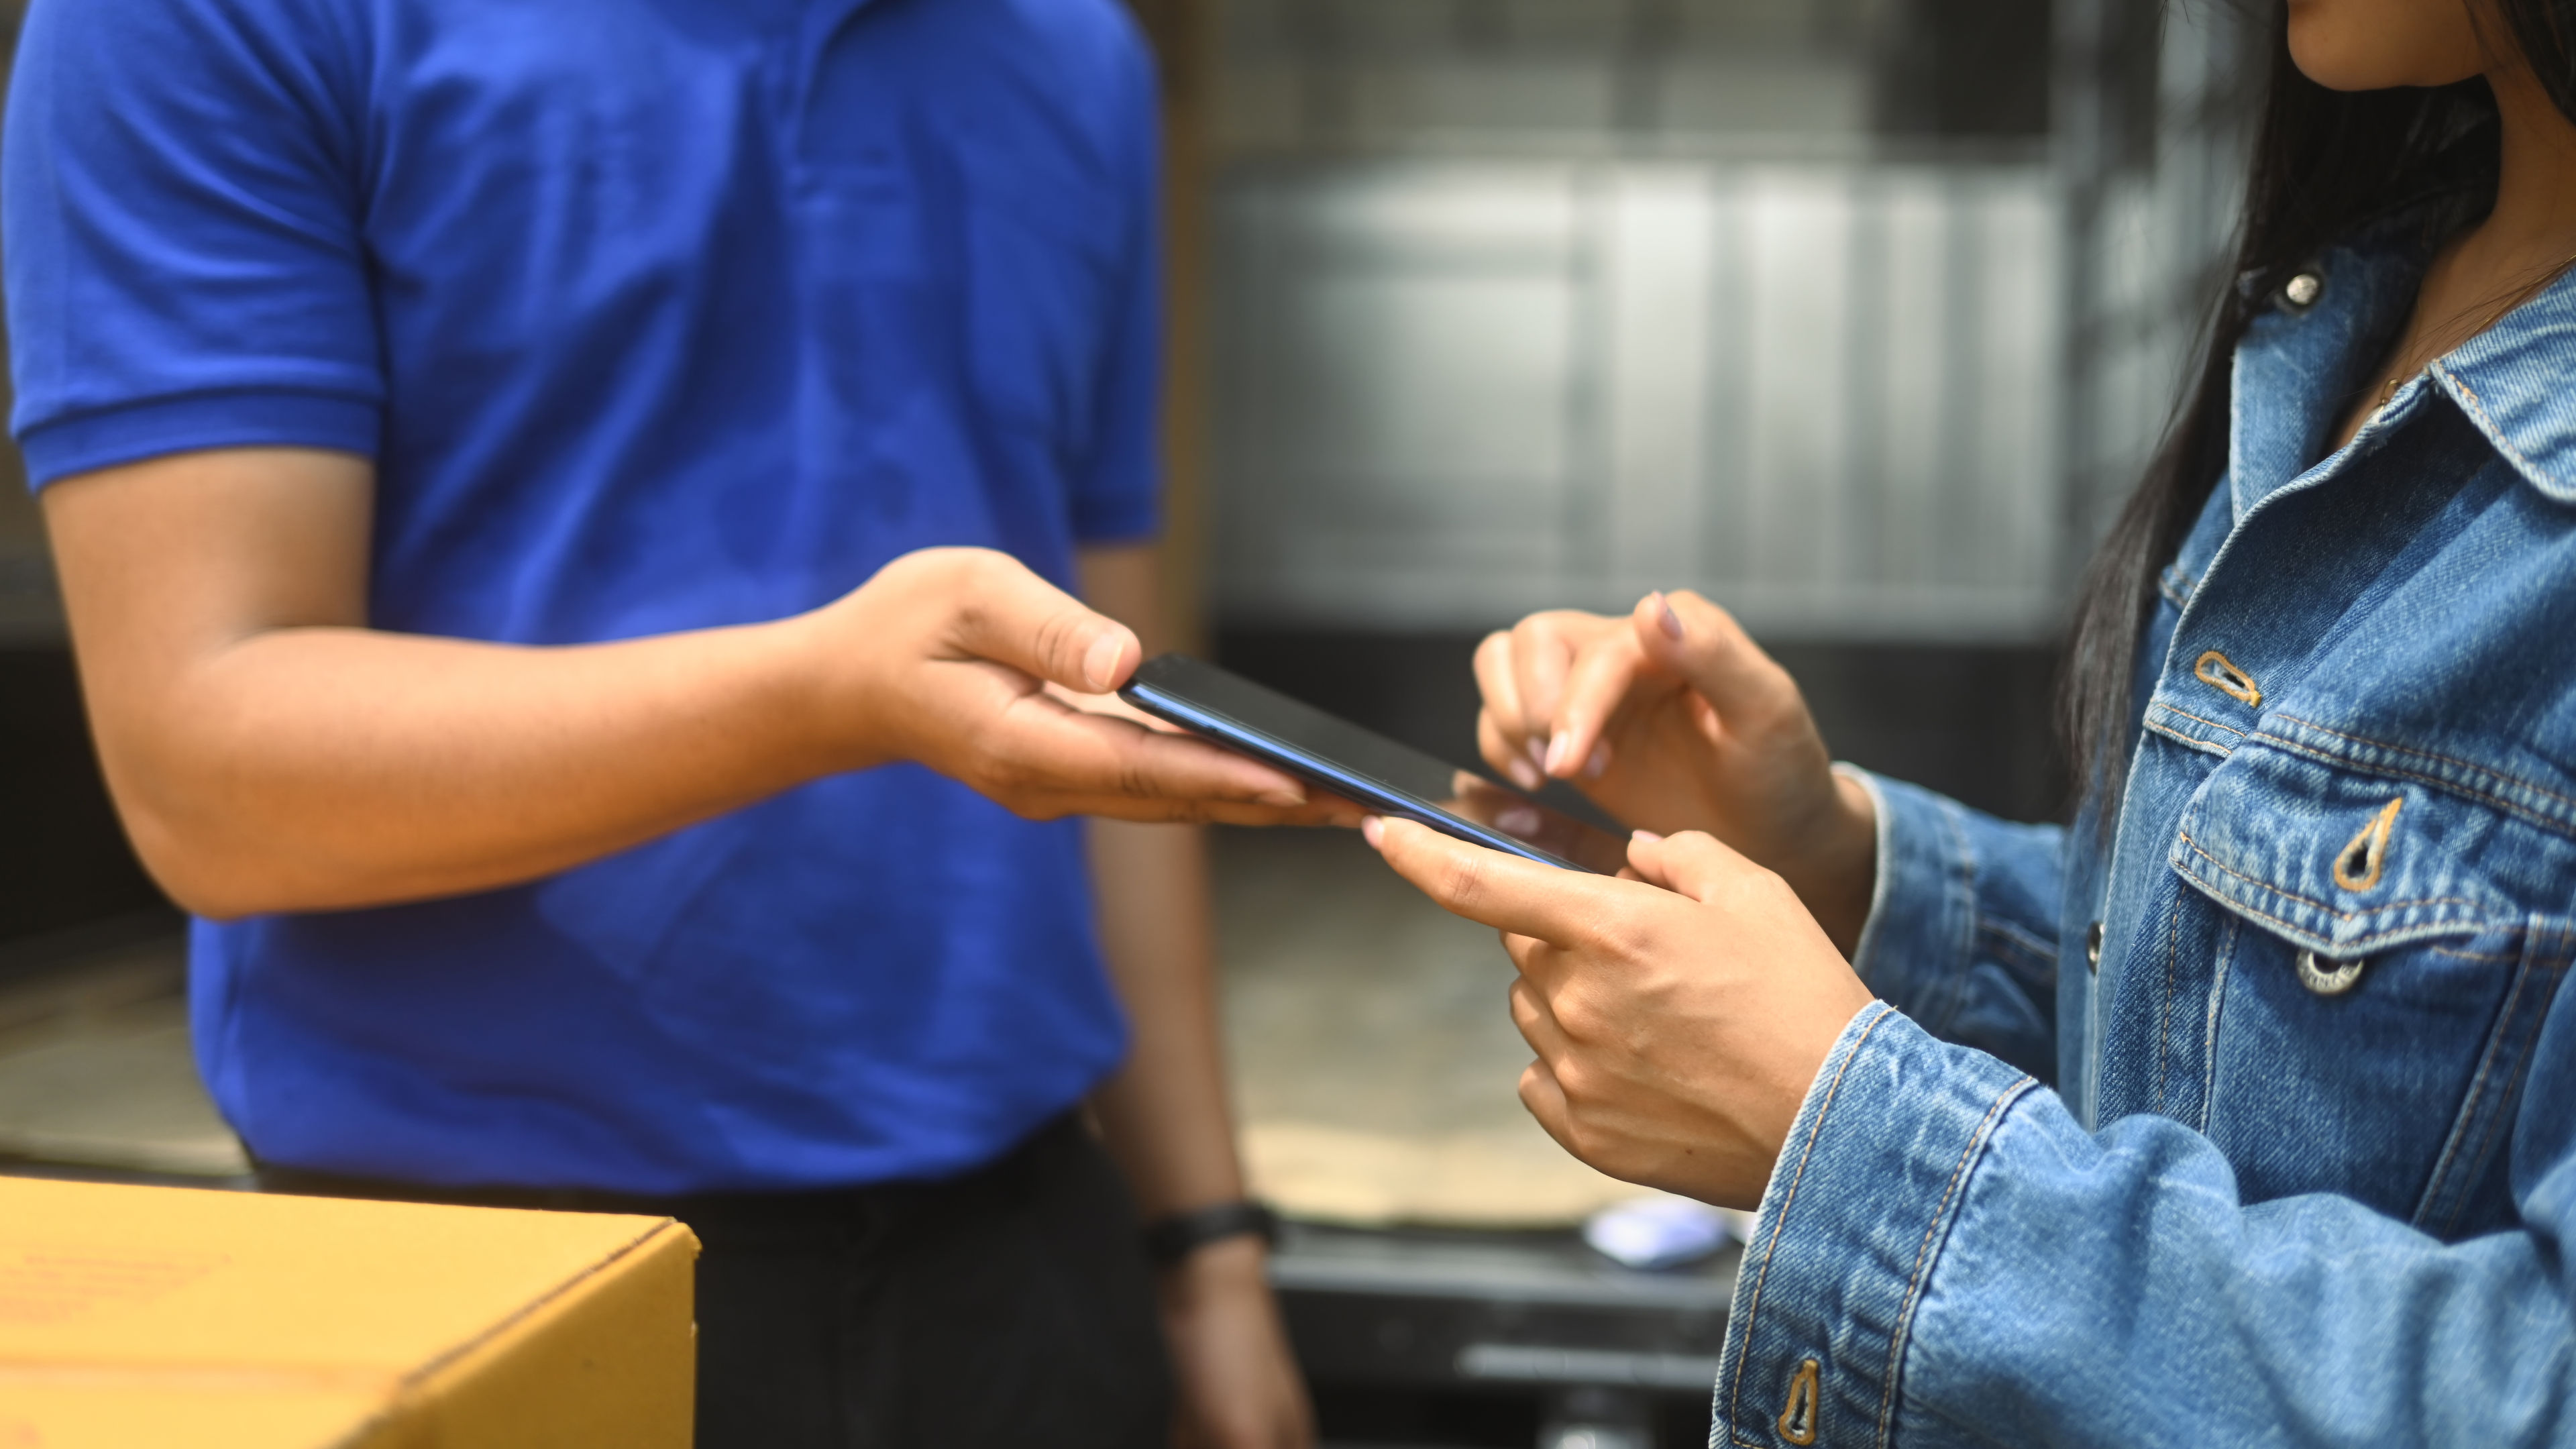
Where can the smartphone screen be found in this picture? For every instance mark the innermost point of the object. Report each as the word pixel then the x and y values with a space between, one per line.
pixel 1365 766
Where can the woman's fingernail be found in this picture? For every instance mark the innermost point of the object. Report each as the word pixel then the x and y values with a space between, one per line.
pixel 1537 753
pixel 1556 752
pixel 1373 830
pixel 1100 662
pixel 1666 619
pixel 1647 836
pixel 1524 774
pixel 1598 761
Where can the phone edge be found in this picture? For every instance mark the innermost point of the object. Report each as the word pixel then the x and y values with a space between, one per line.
pixel 1273 751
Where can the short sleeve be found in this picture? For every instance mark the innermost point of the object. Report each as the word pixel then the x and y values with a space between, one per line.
pixel 179 198
pixel 1116 492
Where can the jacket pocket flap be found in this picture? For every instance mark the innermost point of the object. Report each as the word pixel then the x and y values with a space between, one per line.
pixel 2346 862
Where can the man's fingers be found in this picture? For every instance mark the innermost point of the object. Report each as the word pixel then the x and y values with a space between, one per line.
pixel 1045 747
pixel 1487 886
pixel 1693 863
pixel 1144 811
pixel 1013 617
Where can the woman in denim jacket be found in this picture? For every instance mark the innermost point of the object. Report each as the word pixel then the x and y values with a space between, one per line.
pixel 2243 1111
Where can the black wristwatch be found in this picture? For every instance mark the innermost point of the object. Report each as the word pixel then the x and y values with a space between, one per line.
pixel 1170 1239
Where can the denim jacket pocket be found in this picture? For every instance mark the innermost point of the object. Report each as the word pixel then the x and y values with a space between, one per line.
pixel 2384 950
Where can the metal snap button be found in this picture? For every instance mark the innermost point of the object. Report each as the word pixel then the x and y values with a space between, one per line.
pixel 2328 977
pixel 2302 291
pixel 2093 947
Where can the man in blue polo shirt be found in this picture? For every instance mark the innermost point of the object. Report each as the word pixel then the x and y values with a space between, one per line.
pixel 526 480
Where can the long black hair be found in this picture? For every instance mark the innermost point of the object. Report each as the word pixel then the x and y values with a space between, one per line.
pixel 2325 164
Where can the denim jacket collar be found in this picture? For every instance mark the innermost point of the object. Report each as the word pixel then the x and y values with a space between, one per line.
pixel 2307 366
pixel 2511 381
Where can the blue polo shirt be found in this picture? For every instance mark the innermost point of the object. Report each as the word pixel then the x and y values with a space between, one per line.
pixel 653 315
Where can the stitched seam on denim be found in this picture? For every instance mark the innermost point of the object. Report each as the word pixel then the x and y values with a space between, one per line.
pixel 2286 924
pixel 2217 1009
pixel 2474 955
pixel 2186 740
pixel 2189 742
pixel 2196 719
pixel 2320 905
pixel 2434 1184
pixel 2015 949
pixel 1923 1254
pixel 2487 785
pixel 1963 948
pixel 2522 1062
pixel 2164 1008
pixel 2472 766
pixel 2494 431
pixel 2477 1089
pixel 2038 945
pixel 1815 1129
pixel 2443 783
pixel 2178 595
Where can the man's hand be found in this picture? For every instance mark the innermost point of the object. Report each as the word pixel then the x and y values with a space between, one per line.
pixel 1671 719
pixel 270 751
pixel 1238 1382
pixel 944 657
pixel 1678 1018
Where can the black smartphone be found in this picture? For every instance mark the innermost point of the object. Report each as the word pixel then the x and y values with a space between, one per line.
pixel 1364 766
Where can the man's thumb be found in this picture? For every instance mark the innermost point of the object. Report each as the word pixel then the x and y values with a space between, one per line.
pixel 1019 619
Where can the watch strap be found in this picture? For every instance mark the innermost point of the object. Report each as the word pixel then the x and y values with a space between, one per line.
pixel 1173 1237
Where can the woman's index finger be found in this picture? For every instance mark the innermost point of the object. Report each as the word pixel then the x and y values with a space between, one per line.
pixel 1603 673
pixel 1488 886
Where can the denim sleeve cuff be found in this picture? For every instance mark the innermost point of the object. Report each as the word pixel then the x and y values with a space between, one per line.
pixel 1852 1222
pixel 240 418
pixel 1923 911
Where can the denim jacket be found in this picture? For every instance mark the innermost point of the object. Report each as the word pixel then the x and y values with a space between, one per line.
pixel 2283 1149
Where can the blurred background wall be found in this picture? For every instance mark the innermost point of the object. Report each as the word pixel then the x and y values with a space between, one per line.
pixel 1855 315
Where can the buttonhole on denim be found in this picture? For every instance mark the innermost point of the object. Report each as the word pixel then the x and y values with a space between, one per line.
pixel 2093 947
pixel 2328 977
pixel 1798 1416
pixel 2217 670
pixel 2356 868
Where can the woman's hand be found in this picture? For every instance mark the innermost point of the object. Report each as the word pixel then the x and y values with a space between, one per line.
pixel 1678 1018
pixel 1671 719
pixel 946 656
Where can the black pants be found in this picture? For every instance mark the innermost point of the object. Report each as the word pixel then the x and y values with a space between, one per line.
pixel 1011 1306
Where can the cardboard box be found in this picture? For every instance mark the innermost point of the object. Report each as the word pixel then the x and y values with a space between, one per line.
pixel 144 1317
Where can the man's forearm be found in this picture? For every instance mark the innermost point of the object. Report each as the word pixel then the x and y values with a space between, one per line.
pixel 270 752
pixel 316 768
